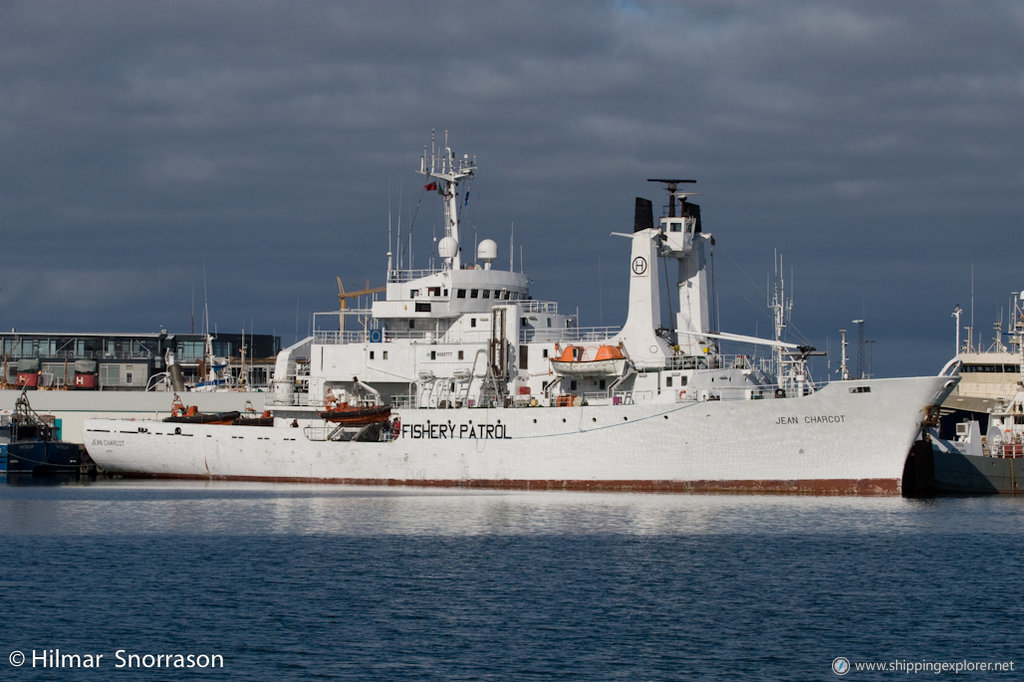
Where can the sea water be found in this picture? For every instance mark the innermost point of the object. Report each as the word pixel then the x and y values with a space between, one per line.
pixel 207 580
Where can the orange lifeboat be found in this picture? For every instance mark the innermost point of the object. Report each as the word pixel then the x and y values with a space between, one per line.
pixel 604 360
pixel 355 415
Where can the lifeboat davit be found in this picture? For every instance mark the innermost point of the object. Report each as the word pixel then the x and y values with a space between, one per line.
pixel 589 361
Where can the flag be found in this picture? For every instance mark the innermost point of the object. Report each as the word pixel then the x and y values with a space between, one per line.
pixel 431 187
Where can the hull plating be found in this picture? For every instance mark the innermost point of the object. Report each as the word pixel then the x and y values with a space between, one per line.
pixel 835 441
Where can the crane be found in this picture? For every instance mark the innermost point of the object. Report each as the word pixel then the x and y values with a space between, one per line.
pixel 343 295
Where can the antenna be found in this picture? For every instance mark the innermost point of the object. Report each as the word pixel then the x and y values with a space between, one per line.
pixel 860 348
pixel 445 172
pixel 670 186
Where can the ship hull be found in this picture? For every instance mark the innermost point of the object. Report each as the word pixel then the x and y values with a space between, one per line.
pixel 834 441
pixel 956 473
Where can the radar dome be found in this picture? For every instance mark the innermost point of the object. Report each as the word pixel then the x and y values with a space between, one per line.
pixel 448 247
pixel 487 252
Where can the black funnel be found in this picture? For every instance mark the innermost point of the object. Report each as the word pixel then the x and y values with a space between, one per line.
pixel 643 215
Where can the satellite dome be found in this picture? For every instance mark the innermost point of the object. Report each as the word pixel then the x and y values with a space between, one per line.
pixel 487 251
pixel 448 247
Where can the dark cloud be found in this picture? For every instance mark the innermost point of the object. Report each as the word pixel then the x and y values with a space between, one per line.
pixel 876 144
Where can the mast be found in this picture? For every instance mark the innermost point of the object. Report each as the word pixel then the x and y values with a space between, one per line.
pixel 445 172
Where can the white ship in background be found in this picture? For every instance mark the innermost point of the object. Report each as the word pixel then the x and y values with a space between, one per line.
pixel 985 452
pixel 74 376
pixel 460 378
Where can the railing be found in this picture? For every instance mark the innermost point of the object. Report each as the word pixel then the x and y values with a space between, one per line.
pixel 408 275
pixel 530 305
pixel 567 334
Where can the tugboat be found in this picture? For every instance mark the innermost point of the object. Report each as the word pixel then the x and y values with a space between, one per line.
pixel 33 447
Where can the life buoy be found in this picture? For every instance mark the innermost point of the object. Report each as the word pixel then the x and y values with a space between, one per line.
pixel 396 429
pixel 682 394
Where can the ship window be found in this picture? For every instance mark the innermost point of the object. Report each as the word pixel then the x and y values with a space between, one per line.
pixel 497 294
pixel 385 355
pixel 460 293
pixel 462 355
pixel 422 307
pixel 860 389
pixel 433 355
pixel 434 291
pixel 549 323
pixel 682 380
pixel 412 324
pixel 544 353
pixel 413 293
pixel 446 293
pixel 371 355
pixel 668 382
pixel 487 293
pixel 472 322
pixel 474 293
pixel 675 227
pixel 572 385
pixel 128 377
pixel 602 384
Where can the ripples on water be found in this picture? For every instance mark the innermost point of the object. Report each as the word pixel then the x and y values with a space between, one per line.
pixel 302 582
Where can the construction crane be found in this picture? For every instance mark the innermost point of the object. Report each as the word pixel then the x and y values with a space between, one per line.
pixel 343 295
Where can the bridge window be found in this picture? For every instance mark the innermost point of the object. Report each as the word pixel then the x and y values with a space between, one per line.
pixel 460 293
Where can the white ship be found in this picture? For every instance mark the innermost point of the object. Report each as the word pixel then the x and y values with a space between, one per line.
pixel 459 378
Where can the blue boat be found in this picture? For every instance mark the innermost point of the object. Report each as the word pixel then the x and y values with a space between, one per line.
pixel 32 445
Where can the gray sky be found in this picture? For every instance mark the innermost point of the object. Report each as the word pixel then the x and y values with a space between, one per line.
pixel 878 146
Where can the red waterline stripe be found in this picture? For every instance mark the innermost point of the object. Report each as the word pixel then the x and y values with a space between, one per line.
pixel 834 486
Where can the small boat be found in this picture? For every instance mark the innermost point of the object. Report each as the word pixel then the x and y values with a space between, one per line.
pixel 33 447
pixel 356 415
pixel 604 360
pixel 191 415
pixel 251 418
pixel 972 464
